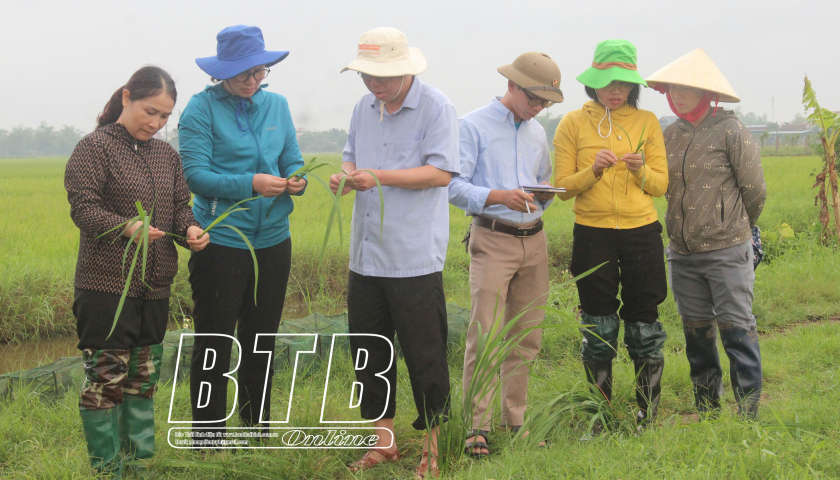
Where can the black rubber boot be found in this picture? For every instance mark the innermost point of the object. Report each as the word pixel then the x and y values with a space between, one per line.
pixel 648 388
pixel 741 346
pixel 644 345
pixel 706 374
pixel 599 374
pixel 598 354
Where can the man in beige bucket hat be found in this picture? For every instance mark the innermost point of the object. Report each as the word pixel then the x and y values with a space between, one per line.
pixel 504 157
pixel 406 132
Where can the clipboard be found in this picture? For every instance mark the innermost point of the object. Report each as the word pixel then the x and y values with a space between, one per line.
pixel 542 189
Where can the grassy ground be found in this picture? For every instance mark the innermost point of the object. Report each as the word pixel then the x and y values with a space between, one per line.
pixel 796 294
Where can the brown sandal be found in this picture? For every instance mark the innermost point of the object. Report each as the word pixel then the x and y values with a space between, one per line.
pixel 425 469
pixel 368 461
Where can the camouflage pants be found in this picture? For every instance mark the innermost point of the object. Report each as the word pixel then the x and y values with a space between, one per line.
pixel 109 374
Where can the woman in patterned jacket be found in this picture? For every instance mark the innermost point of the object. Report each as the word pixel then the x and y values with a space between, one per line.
pixel 111 169
pixel 715 196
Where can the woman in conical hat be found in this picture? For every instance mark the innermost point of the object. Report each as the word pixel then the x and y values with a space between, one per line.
pixel 715 197
pixel 615 221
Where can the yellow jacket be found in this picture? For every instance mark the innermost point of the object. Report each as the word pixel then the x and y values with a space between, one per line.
pixel 615 199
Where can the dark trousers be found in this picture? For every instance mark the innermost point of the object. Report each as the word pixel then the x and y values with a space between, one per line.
pixel 414 308
pixel 636 261
pixel 141 323
pixel 222 280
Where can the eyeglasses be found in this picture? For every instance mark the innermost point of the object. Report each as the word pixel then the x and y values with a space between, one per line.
pixel 623 86
pixel 369 78
pixel 257 74
pixel 534 100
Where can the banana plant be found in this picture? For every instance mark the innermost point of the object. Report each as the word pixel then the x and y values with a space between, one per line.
pixel 829 125
pixel 141 235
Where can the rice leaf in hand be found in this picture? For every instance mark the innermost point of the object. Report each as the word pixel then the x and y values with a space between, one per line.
pixel 336 210
pixel 307 169
pixel 126 287
pixel 130 222
pixel 625 134
pixel 253 256
pixel 145 243
pixel 641 140
pixel 127 248
pixel 227 212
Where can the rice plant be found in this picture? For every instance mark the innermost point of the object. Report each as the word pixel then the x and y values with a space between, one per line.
pixel 335 213
pixel 641 143
pixel 492 348
pixel 141 236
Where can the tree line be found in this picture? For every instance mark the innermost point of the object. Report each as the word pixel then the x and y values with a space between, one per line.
pixel 46 140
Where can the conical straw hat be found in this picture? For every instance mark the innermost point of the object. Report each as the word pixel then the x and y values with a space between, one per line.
pixel 695 69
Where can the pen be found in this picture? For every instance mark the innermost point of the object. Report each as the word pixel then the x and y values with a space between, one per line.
pixel 526 201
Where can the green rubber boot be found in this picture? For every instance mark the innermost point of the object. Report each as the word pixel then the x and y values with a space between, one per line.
pixel 137 422
pixel 102 433
pixel 137 418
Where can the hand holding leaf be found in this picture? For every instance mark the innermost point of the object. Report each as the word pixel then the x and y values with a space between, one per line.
pixel 363 180
pixel 196 238
pixel 154 233
pixel 295 184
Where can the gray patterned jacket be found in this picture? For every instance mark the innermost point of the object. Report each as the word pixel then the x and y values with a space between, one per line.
pixel 717 190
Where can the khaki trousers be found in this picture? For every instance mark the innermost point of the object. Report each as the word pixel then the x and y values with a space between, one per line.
pixel 512 272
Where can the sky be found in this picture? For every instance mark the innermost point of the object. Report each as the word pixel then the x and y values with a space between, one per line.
pixel 62 60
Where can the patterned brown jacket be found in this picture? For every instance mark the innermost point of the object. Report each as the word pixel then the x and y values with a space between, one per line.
pixel 108 171
pixel 717 188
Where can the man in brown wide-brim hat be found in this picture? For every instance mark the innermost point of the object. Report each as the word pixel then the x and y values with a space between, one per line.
pixel 504 186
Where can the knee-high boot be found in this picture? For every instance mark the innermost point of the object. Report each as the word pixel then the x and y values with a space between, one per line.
pixel 137 419
pixel 598 353
pixel 101 396
pixel 706 374
pixel 741 346
pixel 644 345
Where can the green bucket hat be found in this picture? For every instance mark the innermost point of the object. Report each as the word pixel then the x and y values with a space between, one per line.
pixel 614 60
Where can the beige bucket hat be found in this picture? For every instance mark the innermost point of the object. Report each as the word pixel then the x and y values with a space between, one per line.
pixel 537 73
pixel 384 52
pixel 695 69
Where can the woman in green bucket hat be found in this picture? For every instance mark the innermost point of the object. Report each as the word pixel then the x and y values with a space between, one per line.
pixel 610 157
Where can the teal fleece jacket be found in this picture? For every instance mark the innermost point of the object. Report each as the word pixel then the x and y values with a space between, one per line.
pixel 224 141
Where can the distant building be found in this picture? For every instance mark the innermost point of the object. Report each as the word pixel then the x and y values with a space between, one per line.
pixel 300 131
pixel 666 120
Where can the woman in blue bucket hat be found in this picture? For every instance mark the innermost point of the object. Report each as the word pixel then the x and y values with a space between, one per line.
pixel 238 142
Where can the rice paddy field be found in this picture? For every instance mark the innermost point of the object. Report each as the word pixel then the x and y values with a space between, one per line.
pixel 796 303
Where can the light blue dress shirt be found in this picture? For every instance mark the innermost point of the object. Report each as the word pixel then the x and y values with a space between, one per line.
pixel 424 131
pixel 495 155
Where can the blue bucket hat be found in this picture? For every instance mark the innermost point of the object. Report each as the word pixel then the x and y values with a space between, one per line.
pixel 239 48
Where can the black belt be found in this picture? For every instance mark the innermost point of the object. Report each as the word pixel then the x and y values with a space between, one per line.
pixel 497 226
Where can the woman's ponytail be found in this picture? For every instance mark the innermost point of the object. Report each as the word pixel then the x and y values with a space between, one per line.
pixel 113 109
pixel 146 82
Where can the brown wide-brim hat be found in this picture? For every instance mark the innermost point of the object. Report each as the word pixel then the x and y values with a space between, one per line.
pixel 536 72
pixel 695 69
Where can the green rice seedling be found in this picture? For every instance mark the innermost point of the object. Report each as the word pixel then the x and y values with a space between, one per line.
pixel 493 347
pixel 141 236
pixel 582 407
pixel 335 213
pixel 641 143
